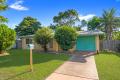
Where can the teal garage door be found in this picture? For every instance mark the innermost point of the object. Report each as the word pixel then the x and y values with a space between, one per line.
pixel 86 43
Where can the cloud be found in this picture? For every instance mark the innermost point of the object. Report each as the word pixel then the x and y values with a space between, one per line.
pixel 86 17
pixel 18 6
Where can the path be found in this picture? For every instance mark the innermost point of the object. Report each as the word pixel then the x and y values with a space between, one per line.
pixel 79 67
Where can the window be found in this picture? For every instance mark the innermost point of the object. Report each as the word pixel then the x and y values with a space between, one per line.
pixel 28 41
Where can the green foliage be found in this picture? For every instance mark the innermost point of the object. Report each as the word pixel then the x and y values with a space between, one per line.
pixel 84 23
pixel 94 23
pixel 110 22
pixel 116 35
pixel 66 36
pixel 43 37
pixel 7 37
pixel 78 28
pixel 68 18
pixel 3 5
pixel 28 26
pixel 3 20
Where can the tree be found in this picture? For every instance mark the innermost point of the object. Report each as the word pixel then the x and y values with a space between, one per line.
pixel 66 36
pixel 116 35
pixel 84 23
pixel 7 37
pixel 28 26
pixel 68 18
pixel 43 37
pixel 110 22
pixel 3 20
pixel 94 24
pixel 3 5
pixel 53 27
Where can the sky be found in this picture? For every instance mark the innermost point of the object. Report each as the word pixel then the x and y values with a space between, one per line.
pixel 45 10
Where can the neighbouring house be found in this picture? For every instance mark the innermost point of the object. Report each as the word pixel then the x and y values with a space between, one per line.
pixel 86 41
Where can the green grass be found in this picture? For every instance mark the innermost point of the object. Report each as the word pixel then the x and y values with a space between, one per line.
pixel 108 65
pixel 16 65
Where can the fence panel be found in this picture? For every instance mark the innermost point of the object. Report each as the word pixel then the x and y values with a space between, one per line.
pixel 109 44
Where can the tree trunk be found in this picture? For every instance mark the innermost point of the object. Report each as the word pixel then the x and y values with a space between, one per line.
pixel 109 32
pixel 45 48
pixel 1 52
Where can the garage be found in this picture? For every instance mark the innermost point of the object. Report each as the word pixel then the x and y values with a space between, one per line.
pixel 86 43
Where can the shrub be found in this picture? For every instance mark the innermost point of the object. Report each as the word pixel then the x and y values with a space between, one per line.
pixel 66 36
pixel 7 37
pixel 43 37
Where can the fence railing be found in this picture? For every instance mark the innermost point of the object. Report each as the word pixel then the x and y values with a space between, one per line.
pixel 109 44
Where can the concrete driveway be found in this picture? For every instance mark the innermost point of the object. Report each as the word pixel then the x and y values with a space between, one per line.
pixel 79 67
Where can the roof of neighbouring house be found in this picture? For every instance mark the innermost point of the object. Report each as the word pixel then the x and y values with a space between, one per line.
pixel 84 33
pixel 81 33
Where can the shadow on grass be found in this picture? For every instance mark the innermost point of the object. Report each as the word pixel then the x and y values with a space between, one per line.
pixel 21 57
pixel 110 53
pixel 14 76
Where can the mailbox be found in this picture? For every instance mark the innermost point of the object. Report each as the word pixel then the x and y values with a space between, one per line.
pixel 30 46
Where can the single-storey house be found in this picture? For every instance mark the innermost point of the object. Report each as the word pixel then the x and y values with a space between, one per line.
pixel 86 41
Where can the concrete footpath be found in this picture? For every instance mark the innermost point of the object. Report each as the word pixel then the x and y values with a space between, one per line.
pixel 79 67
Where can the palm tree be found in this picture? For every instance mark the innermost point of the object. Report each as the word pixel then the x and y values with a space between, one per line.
pixel 109 22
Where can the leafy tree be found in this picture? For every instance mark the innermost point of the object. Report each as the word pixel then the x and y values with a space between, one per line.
pixel 94 24
pixel 3 20
pixel 110 22
pixel 84 23
pixel 28 26
pixel 66 36
pixel 43 37
pixel 3 5
pixel 78 27
pixel 52 26
pixel 68 18
pixel 116 35
pixel 7 37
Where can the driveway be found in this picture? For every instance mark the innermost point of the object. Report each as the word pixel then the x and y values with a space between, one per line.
pixel 79 67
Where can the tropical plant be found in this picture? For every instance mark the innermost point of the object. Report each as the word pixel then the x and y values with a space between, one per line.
pixel 7 37
pixel 28 26
pixel 68 18
pixel 109 22
pixel 43 37
pixel 66 36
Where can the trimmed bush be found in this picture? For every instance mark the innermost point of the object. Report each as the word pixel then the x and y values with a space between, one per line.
pixel 66 36
pixel 43 37
pixel 7 37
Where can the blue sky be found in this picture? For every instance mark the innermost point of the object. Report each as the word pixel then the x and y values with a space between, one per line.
pixel 45 10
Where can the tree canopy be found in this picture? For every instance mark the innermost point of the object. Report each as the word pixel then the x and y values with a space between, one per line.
pixel 110 22
pixel 66 36
pixel 3 5
pixel 94 23
pixel 28 26
pixel 43 37
pixel 68 17
pixel 7 37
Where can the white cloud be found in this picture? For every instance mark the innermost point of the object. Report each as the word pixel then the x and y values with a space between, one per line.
pixel 18 6
pixel 86 17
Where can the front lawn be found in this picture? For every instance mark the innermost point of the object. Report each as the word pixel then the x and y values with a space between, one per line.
pixel 16 65
pixel 108 66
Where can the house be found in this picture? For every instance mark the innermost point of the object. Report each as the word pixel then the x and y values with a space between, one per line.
pixel 86 41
